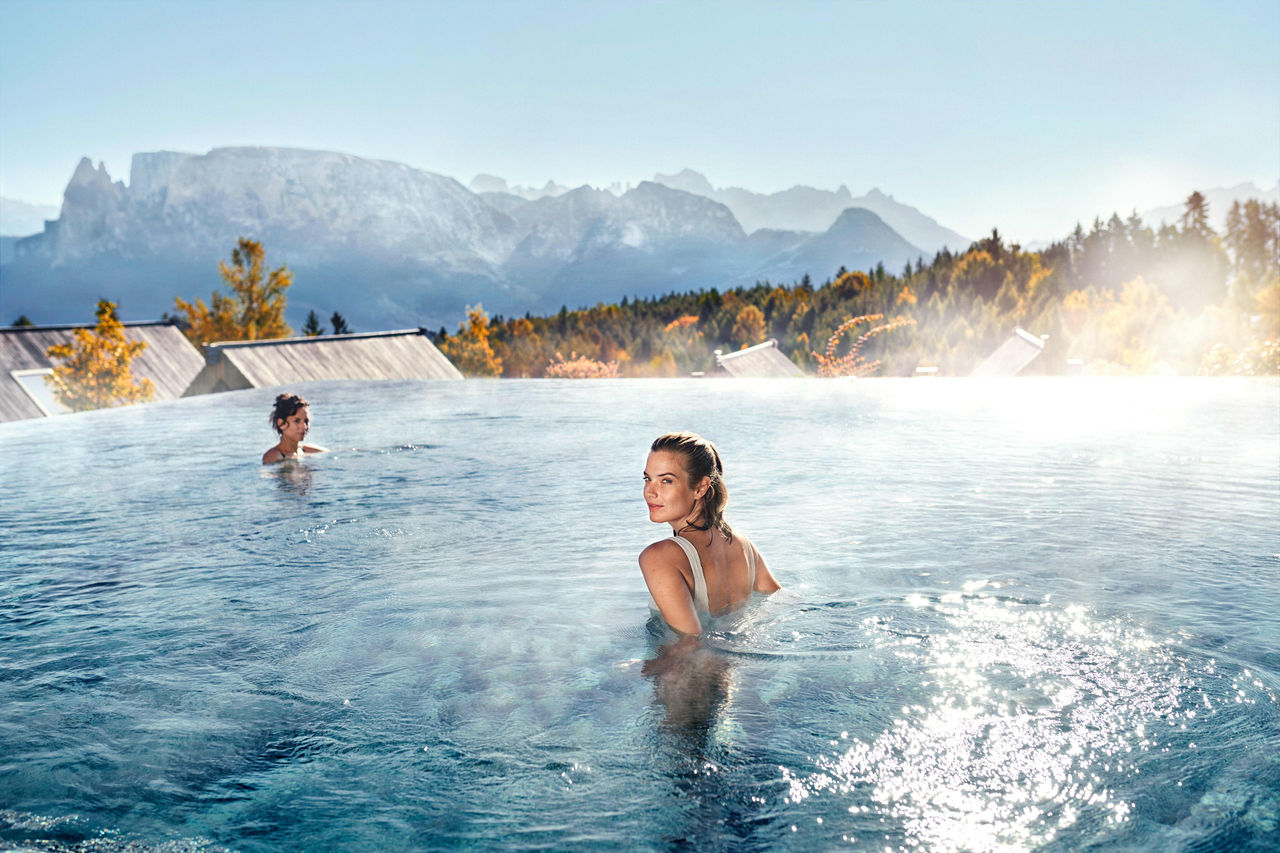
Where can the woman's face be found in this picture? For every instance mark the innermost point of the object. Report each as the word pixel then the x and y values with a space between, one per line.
pixel 296 425
pixel 666 488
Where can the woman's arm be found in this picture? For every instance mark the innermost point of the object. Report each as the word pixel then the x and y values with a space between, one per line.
pixel 764 578
pixel 660 563
pixel 314 448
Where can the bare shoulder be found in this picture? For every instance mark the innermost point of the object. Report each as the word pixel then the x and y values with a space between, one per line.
pixel 272 455
pixel 661 564
pixel 662 554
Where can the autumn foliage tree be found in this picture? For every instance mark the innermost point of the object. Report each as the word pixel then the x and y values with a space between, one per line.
pixel 520 352
pixel 95 372
pixel 254 309
pixel 470 350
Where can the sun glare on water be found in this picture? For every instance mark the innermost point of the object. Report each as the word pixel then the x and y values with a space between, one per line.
pixel 1033 713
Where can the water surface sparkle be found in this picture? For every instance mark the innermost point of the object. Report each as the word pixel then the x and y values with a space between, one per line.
pixel 1028 714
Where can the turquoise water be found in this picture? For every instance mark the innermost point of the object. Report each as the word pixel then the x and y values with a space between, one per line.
pixel 1019 615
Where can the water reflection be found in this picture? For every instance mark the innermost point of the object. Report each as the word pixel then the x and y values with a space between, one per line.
pixel 715 800
pixel 692 684
pixel 292 476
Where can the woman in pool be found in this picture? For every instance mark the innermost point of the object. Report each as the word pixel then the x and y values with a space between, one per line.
pixel 704 569
pixel 291 419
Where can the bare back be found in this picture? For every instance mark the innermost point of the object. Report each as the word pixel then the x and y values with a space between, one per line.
pixel 730 571
pixel 728 568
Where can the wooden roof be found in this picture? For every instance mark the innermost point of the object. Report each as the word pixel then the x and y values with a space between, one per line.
pixel 761 361
pixel 1010 357
pixel 169 361
pixel 403 354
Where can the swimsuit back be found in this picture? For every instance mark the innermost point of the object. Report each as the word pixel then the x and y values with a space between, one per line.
pixel 701 603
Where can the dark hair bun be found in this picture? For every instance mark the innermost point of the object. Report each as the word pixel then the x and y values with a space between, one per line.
pixel 286 406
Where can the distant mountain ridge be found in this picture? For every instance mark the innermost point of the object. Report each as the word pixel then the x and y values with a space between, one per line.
pixel 807 209
pixel 857 234
pixel 393 246
pixel 1219 199
pixel 20 219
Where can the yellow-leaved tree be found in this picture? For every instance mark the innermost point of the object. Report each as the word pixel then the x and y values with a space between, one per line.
pixel 95 372
pixel 253 311
pixel 470 350
pixel 748 326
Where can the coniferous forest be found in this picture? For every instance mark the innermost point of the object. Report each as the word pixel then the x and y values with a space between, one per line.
pixel 1118 298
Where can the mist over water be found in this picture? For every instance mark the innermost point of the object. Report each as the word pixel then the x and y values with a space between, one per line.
pixel 1019 614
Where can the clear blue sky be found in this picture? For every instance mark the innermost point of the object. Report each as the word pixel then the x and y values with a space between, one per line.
pixel 1024 115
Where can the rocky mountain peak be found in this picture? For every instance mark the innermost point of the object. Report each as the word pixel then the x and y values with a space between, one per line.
pixel 689 181
pixel 87 176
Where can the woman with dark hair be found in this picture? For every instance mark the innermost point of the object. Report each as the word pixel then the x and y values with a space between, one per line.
pixel 291 419
pixel 704 569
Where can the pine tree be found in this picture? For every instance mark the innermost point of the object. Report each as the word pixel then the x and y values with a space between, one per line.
pixel 312 327
pixel 339 324
pixel 1253 235
pixel 1195 215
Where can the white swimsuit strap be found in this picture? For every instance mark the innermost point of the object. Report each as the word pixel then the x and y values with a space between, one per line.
pixel 751 568
pixel 700 601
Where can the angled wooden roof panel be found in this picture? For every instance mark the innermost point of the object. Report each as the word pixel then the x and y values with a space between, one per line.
pixel 761 361
pixel 407 354
pixel 169 361
pixel 1020 349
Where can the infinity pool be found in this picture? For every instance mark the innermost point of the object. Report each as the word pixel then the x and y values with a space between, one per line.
pixel 1018 615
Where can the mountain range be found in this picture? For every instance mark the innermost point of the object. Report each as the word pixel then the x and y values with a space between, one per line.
pixel 388 245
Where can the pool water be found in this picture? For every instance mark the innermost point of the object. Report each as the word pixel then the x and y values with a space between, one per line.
pixel 1018 615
